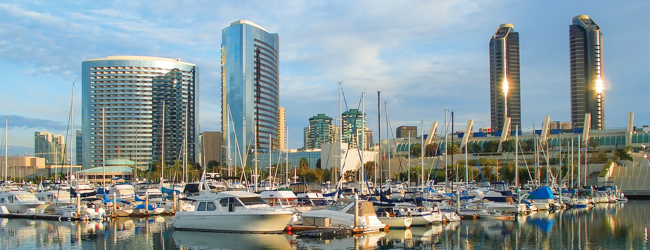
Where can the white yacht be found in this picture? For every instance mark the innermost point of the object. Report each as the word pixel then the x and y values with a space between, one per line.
pixel 154 194
pixel 395 217
pixel 124 191
pixel 342 214
pixel 83 187
pixel 235 211
pixel 19 201
pixel 55 197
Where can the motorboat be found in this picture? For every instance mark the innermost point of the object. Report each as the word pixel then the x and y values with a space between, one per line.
pixel 82 187
pixel 542 198
pixel 284 198
pixel 55 197
pixel 153 194
pixel 422 216
pixel 19 201
pixel 341 214
pixel 87 211
pixel 496 216
pixel 122 191
pixel 395 217
pixel 450 216
pixel 234 211
pixel 314 200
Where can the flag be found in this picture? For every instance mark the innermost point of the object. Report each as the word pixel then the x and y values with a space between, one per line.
pixel 383 156
pixel 118 151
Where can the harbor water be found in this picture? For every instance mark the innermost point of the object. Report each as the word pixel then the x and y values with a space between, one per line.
pixel 605 226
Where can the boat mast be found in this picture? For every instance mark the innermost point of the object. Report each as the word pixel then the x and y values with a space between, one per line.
pixel 446 151
pixel 363 139
pixel 185 146
pixel 408 171
pixel 286 159
pixel 381 172
pixel 103 154
pixel 162 156
pixel 517 157
pixel 69 155
pixel 340 153
pixel 270 158
pixel 422 152
pixel 255 153
pixel 6 126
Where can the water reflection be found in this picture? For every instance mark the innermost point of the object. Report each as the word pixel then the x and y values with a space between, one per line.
pixel 606 226
pixel 208 240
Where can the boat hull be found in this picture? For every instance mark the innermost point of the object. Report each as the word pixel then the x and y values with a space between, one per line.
pixel 397 222
pixel 245 222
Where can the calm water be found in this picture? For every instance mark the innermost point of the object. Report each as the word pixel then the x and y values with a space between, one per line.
pixel 623 226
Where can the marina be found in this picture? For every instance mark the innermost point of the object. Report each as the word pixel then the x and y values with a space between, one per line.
pixel 607 226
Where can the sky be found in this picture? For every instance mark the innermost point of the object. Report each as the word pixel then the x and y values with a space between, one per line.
pixel 424 57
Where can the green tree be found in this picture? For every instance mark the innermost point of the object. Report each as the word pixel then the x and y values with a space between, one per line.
pixel 453 148
pixel 508 146
pixel 416 150
pixel 431 150
pixel 318 164
pixel 304 163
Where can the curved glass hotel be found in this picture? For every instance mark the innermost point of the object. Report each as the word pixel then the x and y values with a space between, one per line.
pixel 132 91
pixel 250 89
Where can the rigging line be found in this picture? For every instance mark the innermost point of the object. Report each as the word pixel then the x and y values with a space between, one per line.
pixel 390 128
pixel 475 159
pixel 525 162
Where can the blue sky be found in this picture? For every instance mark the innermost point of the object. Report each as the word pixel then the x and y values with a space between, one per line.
pixel 424 56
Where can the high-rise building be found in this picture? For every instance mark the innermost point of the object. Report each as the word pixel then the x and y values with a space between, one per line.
pixel 282 129
pixel 505 98
pixel 79 148
pixel 369 139
pixel 406 132
pixel 250 87
pixel 211 146
pixel 320 131
pixel 128 96
pixel 51 147
pixel 353 127
pixel 586 58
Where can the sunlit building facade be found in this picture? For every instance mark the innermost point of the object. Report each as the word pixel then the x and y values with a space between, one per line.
pixel 320 130
pixel 136 93
pixel 505 98
pixel 586 58
pixel 250 88
pixel 353 126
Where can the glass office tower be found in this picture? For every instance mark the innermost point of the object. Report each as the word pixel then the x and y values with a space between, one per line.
pixel 320 131
pixel 250 89
pixel 505 98
pixel 586 58
pixel 132 90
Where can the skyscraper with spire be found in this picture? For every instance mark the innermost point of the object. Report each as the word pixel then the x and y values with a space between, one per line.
pixel 586 58
pixel 505 100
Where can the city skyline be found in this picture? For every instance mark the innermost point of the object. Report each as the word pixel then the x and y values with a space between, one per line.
pixel 422 57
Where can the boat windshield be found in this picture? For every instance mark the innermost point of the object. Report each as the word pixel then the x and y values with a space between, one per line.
pixel 125 192
pixel 319 202
pixel 339 205
pixel 26 197
pixel 63 195
pixel 248 201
